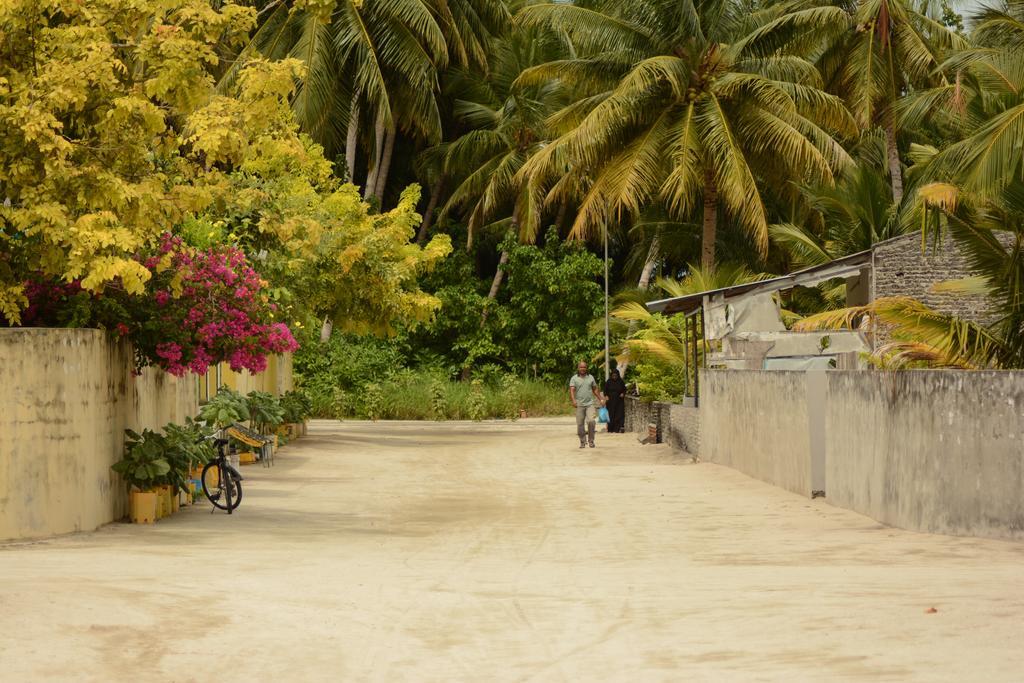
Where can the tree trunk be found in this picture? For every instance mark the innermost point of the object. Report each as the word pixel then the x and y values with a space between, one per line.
pixel 652 260
pixel 378 151
pixel 350 142
pixel 428 215
pixel 385 166
pixel 710 232
pixel 326 329
pixel 499 273
pixel 893 152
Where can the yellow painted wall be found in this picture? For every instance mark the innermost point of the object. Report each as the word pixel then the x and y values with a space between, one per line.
pixel 276 379
pixel 67 397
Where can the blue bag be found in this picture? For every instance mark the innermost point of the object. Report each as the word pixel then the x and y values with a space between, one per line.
pixel 602 415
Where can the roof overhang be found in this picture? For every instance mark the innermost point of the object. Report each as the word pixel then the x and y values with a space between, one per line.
pixel 847 266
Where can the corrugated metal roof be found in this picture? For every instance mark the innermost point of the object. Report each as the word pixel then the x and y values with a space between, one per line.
pixel 841 267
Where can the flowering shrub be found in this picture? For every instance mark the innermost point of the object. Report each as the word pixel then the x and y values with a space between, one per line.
pixel 207 306
pixel 199 308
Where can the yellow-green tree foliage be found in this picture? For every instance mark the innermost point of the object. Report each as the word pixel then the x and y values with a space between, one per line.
pixel 91 164
pixel 111 133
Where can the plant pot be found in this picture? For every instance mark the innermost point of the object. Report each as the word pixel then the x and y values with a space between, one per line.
pixel 522 413
pixel 142 507
pixel 163 495
pixel 160 511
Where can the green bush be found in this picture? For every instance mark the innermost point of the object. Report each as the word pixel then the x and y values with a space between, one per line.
pixel 265 411
pixel 422 395
pixel 225 407
pixel 297 406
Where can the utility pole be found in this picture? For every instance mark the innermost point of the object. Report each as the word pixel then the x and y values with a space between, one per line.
pixel 607 337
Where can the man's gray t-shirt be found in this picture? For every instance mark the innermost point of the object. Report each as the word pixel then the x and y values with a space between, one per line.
pixel 584 389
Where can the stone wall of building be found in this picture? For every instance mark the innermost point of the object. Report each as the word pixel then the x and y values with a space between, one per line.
pixel 905 267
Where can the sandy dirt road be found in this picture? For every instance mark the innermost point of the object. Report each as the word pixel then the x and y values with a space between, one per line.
pixel 502 552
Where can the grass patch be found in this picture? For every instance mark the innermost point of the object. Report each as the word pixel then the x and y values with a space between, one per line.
pixel 418 395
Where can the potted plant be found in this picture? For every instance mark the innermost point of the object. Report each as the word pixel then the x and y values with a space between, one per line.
pixel 297 407
pixel 187 450
pixel 225 408
pixel 265 413
pixel 142 468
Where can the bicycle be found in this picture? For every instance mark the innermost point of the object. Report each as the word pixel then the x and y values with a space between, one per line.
pixel 222 483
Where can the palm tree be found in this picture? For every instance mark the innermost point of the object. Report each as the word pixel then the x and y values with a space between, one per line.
pixel 671 108
pixel 870 52
pixel 374 64
pixel 973 192
pixel 504 127
pixel 845 218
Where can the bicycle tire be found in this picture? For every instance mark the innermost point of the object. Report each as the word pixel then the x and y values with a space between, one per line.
pixel 218 494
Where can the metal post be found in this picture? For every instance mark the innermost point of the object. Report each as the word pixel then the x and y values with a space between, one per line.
pixel 607 337
pixel 696 362
pixel 686 354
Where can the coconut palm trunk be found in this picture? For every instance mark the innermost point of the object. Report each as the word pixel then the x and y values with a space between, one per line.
pixel 710 229
pixel 893 154
pixel 370 188
pixel 499 272
pixel 428 215
pixel 351 141
pixel 652 260
pixel 385 165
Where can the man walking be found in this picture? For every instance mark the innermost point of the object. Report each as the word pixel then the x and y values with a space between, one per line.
pixel 584 394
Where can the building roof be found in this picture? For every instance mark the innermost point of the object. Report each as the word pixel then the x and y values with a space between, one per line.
pixel 846 266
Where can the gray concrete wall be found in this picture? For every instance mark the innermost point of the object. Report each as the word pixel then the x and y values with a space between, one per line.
pixel 68 396
pixel 937 451
pixel 757 422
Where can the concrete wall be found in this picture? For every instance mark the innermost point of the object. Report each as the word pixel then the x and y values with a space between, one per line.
pixel 68 396
pixel 937 451
pixel 757 422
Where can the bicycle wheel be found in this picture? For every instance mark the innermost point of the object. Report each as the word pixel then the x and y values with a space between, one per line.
pixel 233 490
pixel 221 487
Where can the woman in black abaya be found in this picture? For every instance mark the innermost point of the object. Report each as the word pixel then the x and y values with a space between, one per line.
pixel 615 392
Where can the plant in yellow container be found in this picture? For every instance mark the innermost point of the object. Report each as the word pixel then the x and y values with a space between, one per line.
pixel 142 468
pixel 142 506
pixel 163 497
pixel 187 449
pixel 247 458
